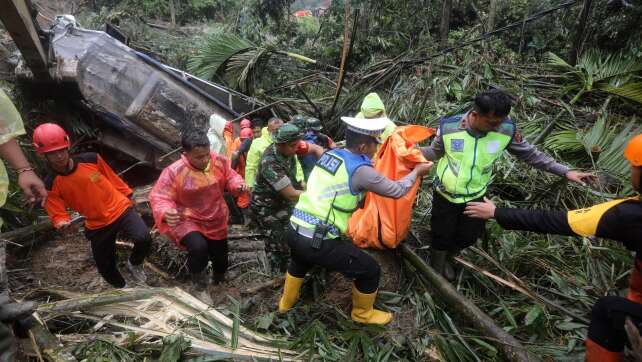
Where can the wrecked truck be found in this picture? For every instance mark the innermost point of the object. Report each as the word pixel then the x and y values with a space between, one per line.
pixel 141 103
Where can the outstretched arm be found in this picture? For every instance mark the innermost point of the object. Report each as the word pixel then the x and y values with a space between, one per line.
pixel 538 221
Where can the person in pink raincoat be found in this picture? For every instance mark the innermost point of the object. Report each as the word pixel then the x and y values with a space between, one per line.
pixel 188 206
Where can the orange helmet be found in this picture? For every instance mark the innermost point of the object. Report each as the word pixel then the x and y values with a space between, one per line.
pixel 246 133
pixel 246 123
pixel 633 151
pixel 50 137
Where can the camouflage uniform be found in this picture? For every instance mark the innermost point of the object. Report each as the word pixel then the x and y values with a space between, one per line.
pixel 270 210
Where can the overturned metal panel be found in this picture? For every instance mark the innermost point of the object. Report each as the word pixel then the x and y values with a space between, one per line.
pixel 138 99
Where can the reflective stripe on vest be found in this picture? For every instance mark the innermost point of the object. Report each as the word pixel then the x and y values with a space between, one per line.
pixel 465 170
pixel 328 195
pixel 584 222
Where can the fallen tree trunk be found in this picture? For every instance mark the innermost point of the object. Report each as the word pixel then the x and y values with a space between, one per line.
pixel 49 345
pixel 28 232
pixel 512 349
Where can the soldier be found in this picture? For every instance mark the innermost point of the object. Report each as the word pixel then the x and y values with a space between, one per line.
pixel 276 188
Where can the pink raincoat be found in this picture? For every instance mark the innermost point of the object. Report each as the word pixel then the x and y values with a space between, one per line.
pixel 198 197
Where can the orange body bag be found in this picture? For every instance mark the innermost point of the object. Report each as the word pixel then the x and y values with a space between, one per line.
pixel 383 222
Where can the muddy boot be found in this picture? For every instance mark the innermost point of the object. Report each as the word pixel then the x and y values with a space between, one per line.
pixel 137 272
pixel 247 216
pixel 199 287
pixel 449 267
pixel 218 278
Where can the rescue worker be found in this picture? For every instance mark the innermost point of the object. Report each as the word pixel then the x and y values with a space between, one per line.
pixel 188 206
pixel 313 135
pixel 240 153
pixel 276 188
pixel 246 123
pixel 373 107
pixel 86 184
pixel 238 164
pixel 228 136
pixel 335 190
pixel 300 121
pixel 466 147
pixel 13 314
pixel 619 220
pixel 259 145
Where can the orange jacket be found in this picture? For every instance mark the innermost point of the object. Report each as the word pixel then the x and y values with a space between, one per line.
pixel 91 188
pixel 197 195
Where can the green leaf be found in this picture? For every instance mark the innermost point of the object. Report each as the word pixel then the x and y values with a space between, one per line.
pixel 569 326
pixel 492 351
pixel 632 91
pixel 532 315
pixel 173 347
pixel 265 321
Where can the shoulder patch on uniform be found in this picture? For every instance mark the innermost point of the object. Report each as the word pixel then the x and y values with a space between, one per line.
pixel 457 145
pixel 330 163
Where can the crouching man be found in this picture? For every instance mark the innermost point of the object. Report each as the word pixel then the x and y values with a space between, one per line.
pixel 188 206
pixel 86 184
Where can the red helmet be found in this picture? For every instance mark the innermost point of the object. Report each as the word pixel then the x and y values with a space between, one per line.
pixel 246 133
pixel 50 137
pixel 246 123
pixel 228 126
pixel 633 151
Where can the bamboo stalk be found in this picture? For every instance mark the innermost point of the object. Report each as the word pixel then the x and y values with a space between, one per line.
pixel 512 349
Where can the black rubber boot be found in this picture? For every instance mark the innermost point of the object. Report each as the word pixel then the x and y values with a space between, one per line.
pixel 449 268
pixel 437 260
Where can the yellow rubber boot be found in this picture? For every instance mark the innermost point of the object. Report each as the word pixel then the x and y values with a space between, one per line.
pixel 290 292
pixel 363 311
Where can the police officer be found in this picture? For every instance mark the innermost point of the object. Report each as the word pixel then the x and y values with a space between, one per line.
pixel 467 145
pixel 335 190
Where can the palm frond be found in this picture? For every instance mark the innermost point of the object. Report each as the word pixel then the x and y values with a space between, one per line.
pixel 243 67
pixel 632 91
pixel 611 160
pixel 605 67
pixel 556 61
pixel 599 136
pixel 217 51
pixel 563 141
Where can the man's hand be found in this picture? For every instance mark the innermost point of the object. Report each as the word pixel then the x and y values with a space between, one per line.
pixel 67 228
pixel 423 168
pixel 242 188
pixel 171 217
pixel 580 177
pixel 481 210
pixel 32 186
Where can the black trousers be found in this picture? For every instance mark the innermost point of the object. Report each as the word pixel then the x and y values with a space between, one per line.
pixel 607 321
pixel 103 245
pixel 451 229
pixel 201 249
pixel 334 255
